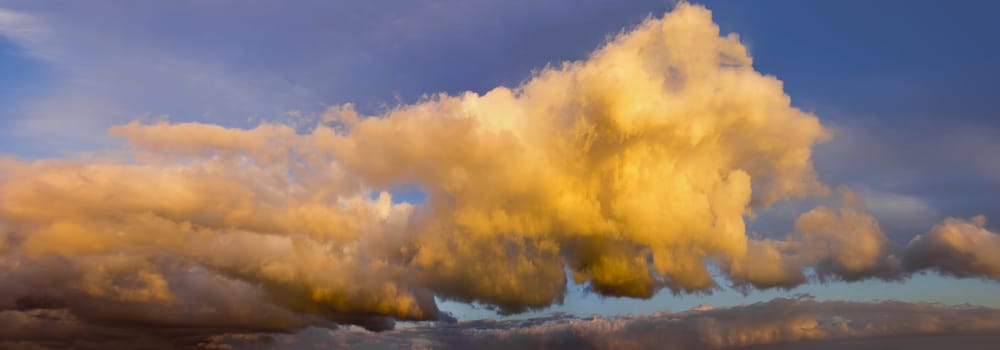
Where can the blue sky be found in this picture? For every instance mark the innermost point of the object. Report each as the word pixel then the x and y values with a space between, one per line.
pixel 908 87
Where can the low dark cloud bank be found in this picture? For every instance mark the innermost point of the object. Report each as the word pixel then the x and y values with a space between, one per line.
pixel 797 323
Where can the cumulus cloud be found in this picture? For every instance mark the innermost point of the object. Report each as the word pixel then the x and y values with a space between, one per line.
pixel 636 169
pixel 799 323
pixel 844 243
pixel 958 247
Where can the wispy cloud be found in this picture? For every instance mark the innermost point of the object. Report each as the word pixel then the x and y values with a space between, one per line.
pixel 226 62
pixel 26 29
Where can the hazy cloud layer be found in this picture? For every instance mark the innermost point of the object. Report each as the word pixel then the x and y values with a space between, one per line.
pixel 636 169
pixel 788 323
pixel 227 61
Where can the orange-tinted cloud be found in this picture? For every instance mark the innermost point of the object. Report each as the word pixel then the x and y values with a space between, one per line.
pixel 635 169
pixel 957 247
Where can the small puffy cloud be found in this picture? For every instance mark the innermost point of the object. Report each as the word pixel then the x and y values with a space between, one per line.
pixel 844 243
pixel 958 247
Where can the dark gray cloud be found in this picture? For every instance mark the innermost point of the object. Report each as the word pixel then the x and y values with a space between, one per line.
pixel 784 323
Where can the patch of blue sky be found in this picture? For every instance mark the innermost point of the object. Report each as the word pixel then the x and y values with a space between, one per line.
pixel 925 287
pixel 22 77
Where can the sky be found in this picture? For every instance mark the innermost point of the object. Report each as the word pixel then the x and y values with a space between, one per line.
pixel 498 174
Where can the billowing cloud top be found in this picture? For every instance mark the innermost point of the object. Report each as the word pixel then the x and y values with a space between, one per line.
pixel 635 169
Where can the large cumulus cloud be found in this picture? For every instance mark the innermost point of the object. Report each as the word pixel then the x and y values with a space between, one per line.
pixel 636 169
